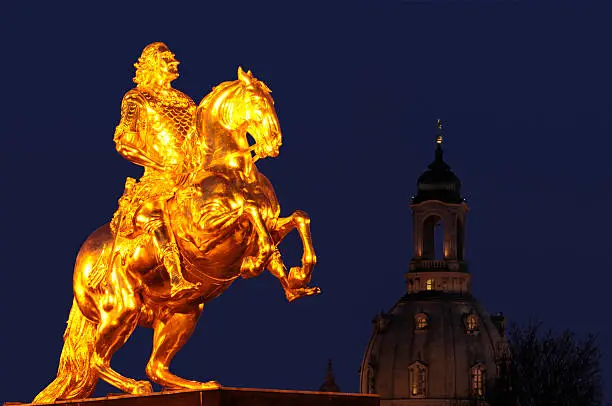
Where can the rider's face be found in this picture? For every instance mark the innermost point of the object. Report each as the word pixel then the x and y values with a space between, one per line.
pixel 168 65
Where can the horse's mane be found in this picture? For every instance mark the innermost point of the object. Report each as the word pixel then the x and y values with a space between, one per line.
pixel 217 108
pixel 227 91
pixel 210 107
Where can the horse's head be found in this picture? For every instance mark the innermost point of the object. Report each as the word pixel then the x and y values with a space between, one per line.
pixel 241 106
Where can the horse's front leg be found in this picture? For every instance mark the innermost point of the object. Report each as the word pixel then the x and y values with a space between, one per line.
pixel 169 336
pixel 277 268
pixel 299 277
pixel 254 265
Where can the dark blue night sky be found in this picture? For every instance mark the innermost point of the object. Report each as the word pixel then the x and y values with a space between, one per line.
pixel 524 89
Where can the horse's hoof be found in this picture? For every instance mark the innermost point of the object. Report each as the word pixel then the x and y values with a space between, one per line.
pixel 315 290
pixel 210 385
pixel 142 388
pixel 293 294
pixel 298 278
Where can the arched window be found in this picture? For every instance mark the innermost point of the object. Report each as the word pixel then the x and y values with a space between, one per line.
pixel 433 237
pixel 418 380
pixel 371 379
pixel 429 284
pixel 420 321
pixel 471 322
pixel 478 381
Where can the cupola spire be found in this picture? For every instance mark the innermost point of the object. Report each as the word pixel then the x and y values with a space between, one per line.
pixel 439 134
pixel 438 182
pixel 439 161
pixel 439 213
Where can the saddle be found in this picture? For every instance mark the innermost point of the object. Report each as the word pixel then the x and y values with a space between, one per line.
pixel 123 218
pixel 122 227
pixel 134 195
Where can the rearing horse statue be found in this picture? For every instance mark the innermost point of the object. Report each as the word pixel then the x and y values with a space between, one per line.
pixel 225 219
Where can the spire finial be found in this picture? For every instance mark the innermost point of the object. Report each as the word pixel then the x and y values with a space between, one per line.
pixel 329 385
pixel 439 141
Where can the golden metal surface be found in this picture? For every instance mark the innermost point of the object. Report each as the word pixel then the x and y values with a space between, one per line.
pixel 200 216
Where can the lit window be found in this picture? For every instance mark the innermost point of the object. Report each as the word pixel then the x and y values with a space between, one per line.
pixel 430 284
pixel 421 321
pixel 478 381
pixel 418 380
pixel 472 322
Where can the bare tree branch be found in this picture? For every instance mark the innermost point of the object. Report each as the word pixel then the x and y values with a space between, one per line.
pixel 549 369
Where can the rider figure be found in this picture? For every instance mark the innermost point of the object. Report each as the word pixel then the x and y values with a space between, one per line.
pixel 155 122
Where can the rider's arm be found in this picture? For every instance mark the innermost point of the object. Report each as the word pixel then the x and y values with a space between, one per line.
pixel 128 138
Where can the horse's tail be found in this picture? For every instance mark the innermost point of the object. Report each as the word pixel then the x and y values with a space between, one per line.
pixel 75 378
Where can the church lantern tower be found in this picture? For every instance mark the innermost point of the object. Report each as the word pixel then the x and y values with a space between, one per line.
pixel 438 218
pixel 437 345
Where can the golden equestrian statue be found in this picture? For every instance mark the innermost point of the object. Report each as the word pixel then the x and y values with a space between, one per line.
pixel 201 216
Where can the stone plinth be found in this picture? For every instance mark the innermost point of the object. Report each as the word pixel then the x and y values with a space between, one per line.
pixel 228 397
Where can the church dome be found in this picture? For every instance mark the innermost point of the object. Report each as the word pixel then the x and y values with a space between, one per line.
pixel 437 345
pixel 433 345
pixel 438 182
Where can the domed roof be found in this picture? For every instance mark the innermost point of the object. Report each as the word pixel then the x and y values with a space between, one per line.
pixel 438 182
pixel 431 345
pixel 437 345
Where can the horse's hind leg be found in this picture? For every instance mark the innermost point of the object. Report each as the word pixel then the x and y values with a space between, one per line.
pixel 169 336
pixel 119 311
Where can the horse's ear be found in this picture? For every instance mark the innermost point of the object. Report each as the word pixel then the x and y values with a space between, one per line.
pixel 244 77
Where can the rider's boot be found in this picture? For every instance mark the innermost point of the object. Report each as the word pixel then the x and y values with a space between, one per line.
pixel 170 256
pixel 152 218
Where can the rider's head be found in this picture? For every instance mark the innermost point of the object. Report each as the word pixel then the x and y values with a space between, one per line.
pixel 157 66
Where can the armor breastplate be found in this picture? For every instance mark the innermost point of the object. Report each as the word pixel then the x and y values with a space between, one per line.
pixel 167 122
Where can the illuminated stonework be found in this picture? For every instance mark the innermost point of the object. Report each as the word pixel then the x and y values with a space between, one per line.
pixel 440 281
pixel 201 216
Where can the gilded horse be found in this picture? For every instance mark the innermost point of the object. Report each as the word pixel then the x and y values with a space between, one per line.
pixel 226 222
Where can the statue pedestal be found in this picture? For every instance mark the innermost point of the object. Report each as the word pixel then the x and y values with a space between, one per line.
pixel 228 397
